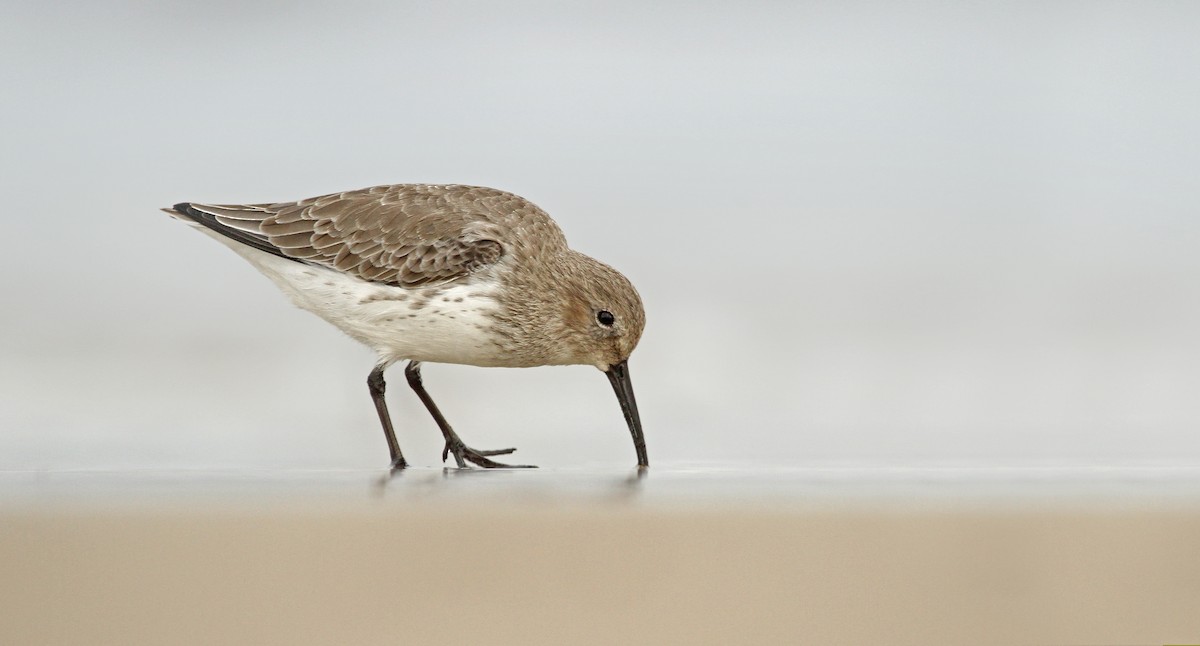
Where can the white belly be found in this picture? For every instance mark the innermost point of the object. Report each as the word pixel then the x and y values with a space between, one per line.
pixel 439 325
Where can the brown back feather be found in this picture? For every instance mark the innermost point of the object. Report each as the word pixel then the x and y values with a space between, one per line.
pixel 410 235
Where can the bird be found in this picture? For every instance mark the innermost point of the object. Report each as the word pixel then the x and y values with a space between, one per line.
pixel 427 273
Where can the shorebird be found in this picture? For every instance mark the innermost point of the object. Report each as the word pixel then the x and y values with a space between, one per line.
pixel 441 274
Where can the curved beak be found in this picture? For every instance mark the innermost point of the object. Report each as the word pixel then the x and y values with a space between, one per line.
pixel 618 376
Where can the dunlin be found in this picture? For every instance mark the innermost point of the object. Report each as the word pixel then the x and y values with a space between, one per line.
pixel 445 274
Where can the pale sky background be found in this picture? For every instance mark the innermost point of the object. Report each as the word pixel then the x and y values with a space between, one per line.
pixel 866 233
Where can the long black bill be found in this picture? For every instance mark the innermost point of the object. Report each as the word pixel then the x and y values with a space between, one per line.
pixel 618 375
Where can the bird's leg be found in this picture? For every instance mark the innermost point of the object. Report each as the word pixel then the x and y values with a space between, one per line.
pixel 454 444
pixel 378 386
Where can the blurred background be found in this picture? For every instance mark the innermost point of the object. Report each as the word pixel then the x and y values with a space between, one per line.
pixel 917 234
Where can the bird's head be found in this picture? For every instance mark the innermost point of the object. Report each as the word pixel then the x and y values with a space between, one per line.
pixel 602 316
pixel 603 320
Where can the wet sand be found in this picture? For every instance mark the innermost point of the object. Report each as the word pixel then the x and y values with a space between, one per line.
pixel 352 559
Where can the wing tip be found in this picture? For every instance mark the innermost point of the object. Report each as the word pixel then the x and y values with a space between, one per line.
pixel 187 212
pixel 182 208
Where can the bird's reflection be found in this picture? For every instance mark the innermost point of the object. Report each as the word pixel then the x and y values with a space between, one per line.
pixel 523 485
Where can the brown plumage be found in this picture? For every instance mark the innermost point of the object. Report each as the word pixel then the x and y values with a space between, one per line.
pixel 457 274
pixel 408 235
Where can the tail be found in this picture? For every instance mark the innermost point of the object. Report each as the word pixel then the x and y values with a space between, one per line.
pixel 216 218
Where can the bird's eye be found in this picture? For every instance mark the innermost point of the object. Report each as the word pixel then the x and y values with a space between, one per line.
pixel 605 318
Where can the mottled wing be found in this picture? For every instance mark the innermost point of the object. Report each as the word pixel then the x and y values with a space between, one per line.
pixel 406 235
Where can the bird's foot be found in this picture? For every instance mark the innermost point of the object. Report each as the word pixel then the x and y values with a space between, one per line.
pixel 464 454
pixel 399 463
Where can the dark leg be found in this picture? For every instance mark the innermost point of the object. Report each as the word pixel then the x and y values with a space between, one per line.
pixel 377 386
pixel 462 452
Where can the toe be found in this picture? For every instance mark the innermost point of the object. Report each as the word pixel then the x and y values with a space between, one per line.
pixel 493 451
